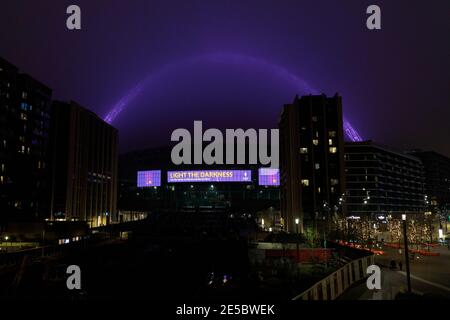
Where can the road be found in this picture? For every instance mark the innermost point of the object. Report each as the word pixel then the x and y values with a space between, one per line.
pixel 430 276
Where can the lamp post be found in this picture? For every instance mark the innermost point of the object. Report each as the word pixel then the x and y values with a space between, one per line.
pixel 405 237
pixel 297 221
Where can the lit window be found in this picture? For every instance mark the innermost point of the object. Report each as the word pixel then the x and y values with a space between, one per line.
pixel 314 119
pixel 24 95
pixel 333 149
pixel 305 182
pixel 303 150
pixel 23 116
pixel 316 142
pixel 334 182
pixel 317 166
pixel 330 142
pixel 3 167
pixel 332 134
pixel 318 190
pixel 1 179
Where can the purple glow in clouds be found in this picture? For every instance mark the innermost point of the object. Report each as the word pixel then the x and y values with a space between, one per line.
pixel 228 58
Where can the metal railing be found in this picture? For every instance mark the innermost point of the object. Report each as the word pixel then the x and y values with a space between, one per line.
pixel 336 283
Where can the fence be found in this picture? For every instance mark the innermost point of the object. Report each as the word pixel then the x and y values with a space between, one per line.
pixel 336 283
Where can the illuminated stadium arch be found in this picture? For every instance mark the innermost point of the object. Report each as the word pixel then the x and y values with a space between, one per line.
pixel 228 58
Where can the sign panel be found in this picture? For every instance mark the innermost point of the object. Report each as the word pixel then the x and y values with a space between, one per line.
pixel 209 176
pixel 150 178
pixel 268 177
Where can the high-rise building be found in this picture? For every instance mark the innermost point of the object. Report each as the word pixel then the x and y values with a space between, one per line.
pixel 311 161
pixel 437 178
pixel 380 181
pixel 84 166
pixel 24 143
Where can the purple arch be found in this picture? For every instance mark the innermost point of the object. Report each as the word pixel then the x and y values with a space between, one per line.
pixel 230 58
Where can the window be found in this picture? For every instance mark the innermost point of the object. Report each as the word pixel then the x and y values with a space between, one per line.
pixel 305 182
pixel 317 166
pixel 303 150
pixel 3 167
pixel 24 95
pixel 1 179
pixel 330 142
pixel 314 119
pixel 318 190
pixel 23 116
pixel 333 150
pixel 334 182
pixel 332 134
pixel 316 142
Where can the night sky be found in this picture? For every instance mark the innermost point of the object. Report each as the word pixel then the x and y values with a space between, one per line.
pixel 235 63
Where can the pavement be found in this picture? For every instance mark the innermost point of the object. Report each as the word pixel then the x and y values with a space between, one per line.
pixel 429 276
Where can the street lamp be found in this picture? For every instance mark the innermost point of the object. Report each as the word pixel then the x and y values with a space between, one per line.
pixel 405 237
pixel 297 221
